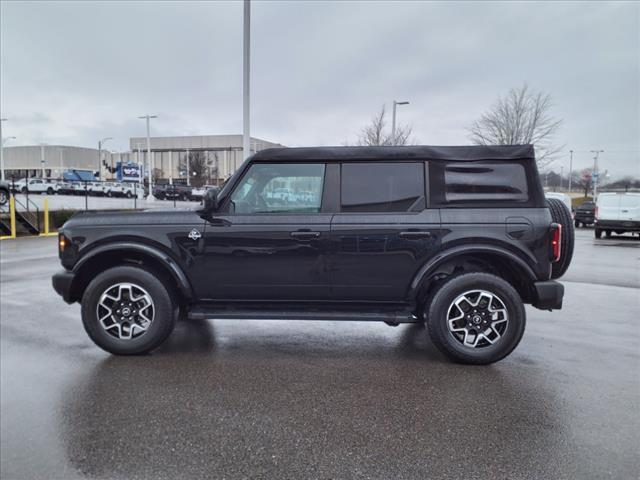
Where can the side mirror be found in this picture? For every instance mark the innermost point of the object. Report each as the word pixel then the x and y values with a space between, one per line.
pixel 210 202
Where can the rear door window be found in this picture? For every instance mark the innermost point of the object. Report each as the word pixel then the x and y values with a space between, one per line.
pixel 382 187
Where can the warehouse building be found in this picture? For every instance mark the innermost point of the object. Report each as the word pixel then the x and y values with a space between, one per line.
pixel 218 156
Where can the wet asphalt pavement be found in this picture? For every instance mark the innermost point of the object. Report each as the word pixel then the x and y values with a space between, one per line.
pixel 270 399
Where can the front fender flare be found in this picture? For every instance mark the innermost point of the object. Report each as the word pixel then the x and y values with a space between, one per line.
pixel 172 266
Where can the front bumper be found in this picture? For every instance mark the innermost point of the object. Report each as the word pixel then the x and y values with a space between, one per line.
pixel 549 295
pixel 62 283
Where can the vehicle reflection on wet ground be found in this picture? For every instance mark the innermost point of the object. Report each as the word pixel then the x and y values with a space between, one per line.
pixel 272 399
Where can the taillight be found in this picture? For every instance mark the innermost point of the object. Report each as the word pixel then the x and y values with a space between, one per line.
pixel 595 213
pixel 556 241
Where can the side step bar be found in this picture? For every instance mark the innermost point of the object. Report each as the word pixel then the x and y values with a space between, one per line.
pixel 228 313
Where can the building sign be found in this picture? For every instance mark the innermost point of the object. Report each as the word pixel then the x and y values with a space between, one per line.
pixel 128 172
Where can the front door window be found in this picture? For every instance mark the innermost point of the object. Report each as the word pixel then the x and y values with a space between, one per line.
pixel 279 188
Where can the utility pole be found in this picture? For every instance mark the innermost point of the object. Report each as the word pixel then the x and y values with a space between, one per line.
pixel 246 85
pixel 570 168
pixel 561 174
pixel 393 121
pixel 595 174
pixel 1 150
pixel 147 118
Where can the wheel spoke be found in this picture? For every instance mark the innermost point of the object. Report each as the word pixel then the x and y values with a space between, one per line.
pixel 477 318
pixel 125 311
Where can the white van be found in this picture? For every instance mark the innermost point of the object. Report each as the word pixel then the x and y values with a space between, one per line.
pixel 617 212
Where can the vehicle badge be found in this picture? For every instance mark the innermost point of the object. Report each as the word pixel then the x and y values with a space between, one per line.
pixel 194 234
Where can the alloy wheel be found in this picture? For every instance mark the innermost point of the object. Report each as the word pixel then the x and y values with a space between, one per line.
pixel 477 318
pixel 125 311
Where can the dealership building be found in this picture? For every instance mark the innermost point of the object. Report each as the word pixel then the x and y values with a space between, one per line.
pixel 220 154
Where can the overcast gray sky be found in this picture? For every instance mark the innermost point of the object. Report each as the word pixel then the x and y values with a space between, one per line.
pixel 73 72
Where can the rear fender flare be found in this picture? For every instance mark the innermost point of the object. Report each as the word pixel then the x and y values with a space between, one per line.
pixel 445 256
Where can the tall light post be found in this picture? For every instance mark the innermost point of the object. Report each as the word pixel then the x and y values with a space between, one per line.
pixel 246 64
pixel 60 150
pixel 570 168
pixel 561 174
pixel 147 118
pixel 393 120
pixel 100 145
pixel 595 174
pixel 42 161
pixel 188 171
pixel 1 150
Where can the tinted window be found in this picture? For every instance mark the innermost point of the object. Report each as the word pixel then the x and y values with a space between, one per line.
pixel 382 187
pixel 279 188
pixel 485 182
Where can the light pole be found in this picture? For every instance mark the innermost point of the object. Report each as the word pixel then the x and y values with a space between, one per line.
pixel 61 162
pixel 561 173
pixel 42 145
pixel 570 168
pixel 595 174
pixel 188 172
pixel 100 145
pixel 1 150
pixel 246 65
pixel 147 118
pixel 3 141
pixel 393 120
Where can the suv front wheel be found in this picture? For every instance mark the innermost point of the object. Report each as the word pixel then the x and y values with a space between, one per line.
pixel 476 318
pixel 128 311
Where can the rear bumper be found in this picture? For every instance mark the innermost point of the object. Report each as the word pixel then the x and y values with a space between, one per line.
pixel 584 217
pixel 62 284
pixel 549 295
pixel 627 226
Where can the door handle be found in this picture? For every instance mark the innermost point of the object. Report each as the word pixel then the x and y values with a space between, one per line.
pixel 415 234
pixel 305 235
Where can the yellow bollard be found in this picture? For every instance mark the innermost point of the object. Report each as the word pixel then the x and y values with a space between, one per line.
pixel 45 206
pixel 46 215
pixel 12 214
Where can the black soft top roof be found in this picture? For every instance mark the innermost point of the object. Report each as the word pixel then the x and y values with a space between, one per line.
pixel 461 153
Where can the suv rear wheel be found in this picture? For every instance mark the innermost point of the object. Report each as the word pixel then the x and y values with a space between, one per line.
pixel 128 311
pixel 476 318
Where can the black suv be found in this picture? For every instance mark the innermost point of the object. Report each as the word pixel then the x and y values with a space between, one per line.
pixel 171 192
pixel 457 237
pixel 585 214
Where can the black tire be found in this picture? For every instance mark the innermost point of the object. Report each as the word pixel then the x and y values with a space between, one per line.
pixel 561 214
pixel 577 224
pixel 49 191
pixel 437 310
pixel 23 189
pixel 129 195
pixel 183 197
pixel 4 196
pixel 160 327
pixel 598 233
pixel 607 233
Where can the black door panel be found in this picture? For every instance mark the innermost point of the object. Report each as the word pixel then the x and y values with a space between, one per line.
pixel 375 256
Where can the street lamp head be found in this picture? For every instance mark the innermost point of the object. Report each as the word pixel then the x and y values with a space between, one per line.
pixel 401 103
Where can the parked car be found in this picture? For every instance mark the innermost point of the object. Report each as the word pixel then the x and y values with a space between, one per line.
pixel 463 259
pixel 36 185
pixel 66 188
pixel 617 212
pixel 4 192
pixel 198 193
pixel 176 191
pixel 119 189
pixel 585 214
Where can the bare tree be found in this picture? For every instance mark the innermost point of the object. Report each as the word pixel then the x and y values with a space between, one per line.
pixel 521 118
pixel 198 166
pixel 375 134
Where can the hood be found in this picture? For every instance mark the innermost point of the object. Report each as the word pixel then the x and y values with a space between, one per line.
pixel 133 217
